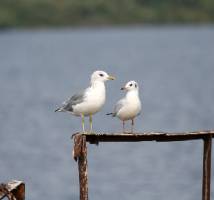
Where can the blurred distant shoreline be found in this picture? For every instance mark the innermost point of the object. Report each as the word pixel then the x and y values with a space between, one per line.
pixel 78 13
pixel 107 27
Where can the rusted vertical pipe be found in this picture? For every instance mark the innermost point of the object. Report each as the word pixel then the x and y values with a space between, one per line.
pixel 83 172
pixel 207 168
pixel 80 155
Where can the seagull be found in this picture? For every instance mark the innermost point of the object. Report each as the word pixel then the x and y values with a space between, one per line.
pixel 128 107
pixel 90 100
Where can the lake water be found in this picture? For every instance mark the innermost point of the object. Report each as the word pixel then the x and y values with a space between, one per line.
pixel 39 69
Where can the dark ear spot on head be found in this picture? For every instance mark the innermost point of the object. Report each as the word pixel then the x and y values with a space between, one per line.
pixel 130 84
pixel 135 85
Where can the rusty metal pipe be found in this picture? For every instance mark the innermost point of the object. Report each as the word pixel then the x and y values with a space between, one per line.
pixel 80 155
pixel 207 168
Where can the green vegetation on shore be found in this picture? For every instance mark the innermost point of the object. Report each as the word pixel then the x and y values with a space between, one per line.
pixel 30 13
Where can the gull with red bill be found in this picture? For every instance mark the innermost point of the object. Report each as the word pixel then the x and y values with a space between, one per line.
pixel 128 107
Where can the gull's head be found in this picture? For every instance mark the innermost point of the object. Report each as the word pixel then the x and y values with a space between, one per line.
pixel 131 85
pixel 101 76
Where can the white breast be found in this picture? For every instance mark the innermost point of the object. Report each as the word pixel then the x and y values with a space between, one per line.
pixel 131 107
pixel 94 100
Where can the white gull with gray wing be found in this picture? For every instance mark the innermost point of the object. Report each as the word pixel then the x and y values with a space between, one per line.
pixel 89 101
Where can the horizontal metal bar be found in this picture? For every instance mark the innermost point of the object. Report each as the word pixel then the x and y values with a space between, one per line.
pixel 95 138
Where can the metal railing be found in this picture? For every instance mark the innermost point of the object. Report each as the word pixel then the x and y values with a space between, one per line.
pixel 80 152
pixel 13 190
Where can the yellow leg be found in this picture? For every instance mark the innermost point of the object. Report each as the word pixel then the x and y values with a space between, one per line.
pixel 83 123
pixel 90 120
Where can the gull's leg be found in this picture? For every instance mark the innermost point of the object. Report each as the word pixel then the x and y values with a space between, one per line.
pixel 90 120
pixel 83 123
pixel 132 125
pixel 123 126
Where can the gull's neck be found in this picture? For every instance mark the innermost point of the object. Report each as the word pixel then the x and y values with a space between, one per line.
pixel 97 84
pixel 132 94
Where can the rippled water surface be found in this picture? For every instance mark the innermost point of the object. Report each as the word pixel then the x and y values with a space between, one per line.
pixel 41 68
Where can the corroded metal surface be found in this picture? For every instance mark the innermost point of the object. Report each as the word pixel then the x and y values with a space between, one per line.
pixel 207 168
pixel 78 145
pixel 13 190
pixel 80 155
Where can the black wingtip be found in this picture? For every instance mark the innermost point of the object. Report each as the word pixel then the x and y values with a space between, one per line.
pixel 56 110
pixel 109 113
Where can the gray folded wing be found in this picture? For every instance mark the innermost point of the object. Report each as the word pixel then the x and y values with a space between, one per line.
pixel 74 100
pixel 118 106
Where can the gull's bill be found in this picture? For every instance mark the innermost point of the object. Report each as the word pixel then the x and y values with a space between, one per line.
pixel 111 78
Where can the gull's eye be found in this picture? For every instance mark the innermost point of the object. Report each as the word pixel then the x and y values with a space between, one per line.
pixel 130 84
pixel 101 75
